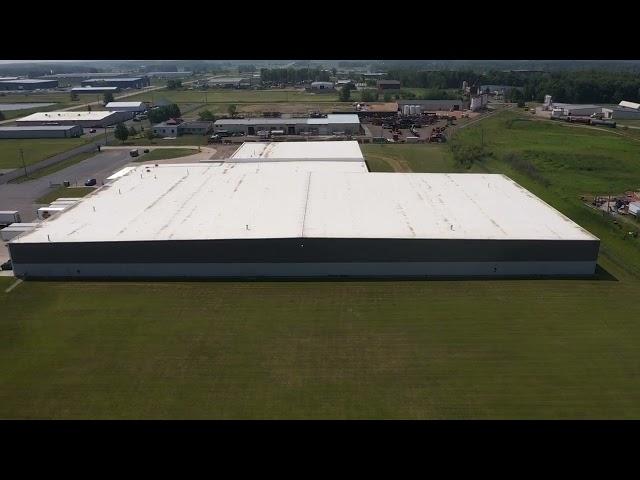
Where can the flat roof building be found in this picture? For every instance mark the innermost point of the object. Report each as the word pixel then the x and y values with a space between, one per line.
pixel 436 105
pixel 385 85
pixel 137 107
pixel 341 151
pixel 333 123
pixel 83 118
pixel 95 90
pixel 121 82
pixel 266 219
pixel 61 131
pixel 229 82
pixel 28 84
pixel 579 110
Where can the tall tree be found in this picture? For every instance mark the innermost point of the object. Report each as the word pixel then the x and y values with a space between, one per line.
pixel 121 132
pixel 108 97
pixel 345 93
pixel 231 109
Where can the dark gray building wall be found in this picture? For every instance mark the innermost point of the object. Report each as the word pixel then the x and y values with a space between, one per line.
pixel 297 251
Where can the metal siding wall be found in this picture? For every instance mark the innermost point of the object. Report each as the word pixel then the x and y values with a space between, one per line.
pixel 293 250
pixel 302 270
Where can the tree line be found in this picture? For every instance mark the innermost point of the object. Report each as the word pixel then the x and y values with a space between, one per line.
pixel 590 86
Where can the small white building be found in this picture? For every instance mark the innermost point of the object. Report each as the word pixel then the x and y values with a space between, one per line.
pixel 322 86
pixel 137 107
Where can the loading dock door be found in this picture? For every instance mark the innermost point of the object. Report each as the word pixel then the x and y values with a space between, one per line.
pixel 291 130
pixel 251 130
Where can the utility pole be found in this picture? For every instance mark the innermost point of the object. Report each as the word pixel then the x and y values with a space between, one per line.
pixel 106 136
pixel 23 164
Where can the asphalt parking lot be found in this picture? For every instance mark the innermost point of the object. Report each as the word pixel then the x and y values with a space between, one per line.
pixel 21 196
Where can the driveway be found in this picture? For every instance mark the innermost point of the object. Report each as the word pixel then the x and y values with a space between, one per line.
pixel 21 196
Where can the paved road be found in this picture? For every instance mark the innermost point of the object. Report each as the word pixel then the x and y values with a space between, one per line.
pixel 21 196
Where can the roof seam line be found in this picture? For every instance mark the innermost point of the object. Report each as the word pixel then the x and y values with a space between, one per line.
pixel 306 204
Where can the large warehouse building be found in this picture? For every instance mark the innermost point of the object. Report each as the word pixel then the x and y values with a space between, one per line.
pixel 28 84
pixel 53 131
pixel 94 90
pixel 290 215
pixel 348 124
pixel 83 119
pixel 133 82
pixel 136 107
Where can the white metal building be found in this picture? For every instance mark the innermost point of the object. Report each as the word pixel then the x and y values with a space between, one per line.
pixel 298 151
pixel 249 219
pixel 137 107
pixel 332 123
pixel 84 119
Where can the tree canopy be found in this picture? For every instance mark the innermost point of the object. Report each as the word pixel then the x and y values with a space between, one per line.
pixel 160 114
pixel 121 132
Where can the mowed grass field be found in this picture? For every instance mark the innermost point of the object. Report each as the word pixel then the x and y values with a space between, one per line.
pixel 34 149
pixel 479 349
pixel 233 96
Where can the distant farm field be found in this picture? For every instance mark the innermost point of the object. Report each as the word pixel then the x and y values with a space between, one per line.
pixel 233 96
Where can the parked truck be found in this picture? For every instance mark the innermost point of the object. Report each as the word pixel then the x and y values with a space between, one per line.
pixel 16 229
pixel 7 217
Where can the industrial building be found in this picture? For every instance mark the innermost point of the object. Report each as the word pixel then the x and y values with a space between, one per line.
pixel 577 110
pixel 176 128
pixel 478 102
pixel 53 131
pixel 94 90
pixel 298 151
pixel 229 82
pixel 126 82
pixel 388 85
pixel 435 105
pixel 322 87
pixel 136 107
pixel 347 124
pixel 195 128
pixel 28 84
pixel 276 219
pixel 495 89
pixel 624 110
pixel 83 119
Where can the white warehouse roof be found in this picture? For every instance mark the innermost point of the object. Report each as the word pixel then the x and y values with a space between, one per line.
pixel 635 106
pixel 223 201
pixel 53 116
pixel 125 105
pixel 295 151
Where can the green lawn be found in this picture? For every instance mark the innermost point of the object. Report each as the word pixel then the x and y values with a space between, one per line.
pixel 164 153
pixel 64 192
pixel 353 349
pixel 34 149
pixel 233 96
pixel 434 158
